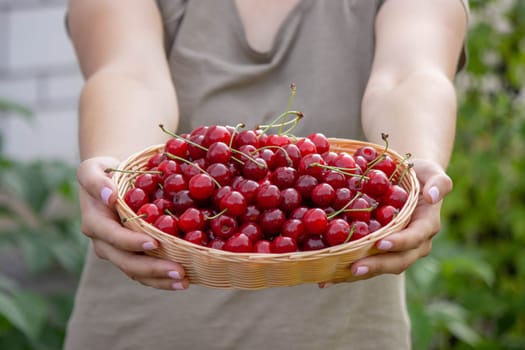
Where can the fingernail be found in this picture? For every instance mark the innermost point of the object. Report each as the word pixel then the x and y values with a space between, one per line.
pixel 149 246
pixel 434 194
pixel 326 285
pixel 361 270
pixel 105 193
pixel 385 245
pixel 177 286
pixel 174 274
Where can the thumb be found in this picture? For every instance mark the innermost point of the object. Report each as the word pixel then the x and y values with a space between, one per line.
pixel 435 183
pixel 94 180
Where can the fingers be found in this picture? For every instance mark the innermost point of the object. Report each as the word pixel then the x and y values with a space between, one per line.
pixel 95 181
pixel 149 271
pixel 436 183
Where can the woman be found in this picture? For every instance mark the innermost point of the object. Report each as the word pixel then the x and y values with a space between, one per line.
pixel 361 68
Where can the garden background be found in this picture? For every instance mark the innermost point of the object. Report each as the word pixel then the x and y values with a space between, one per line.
pixel 468 294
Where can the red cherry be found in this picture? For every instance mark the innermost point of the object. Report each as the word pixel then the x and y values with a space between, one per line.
pixel 293 228
pixel 174 183
pixel 335 179
pixel 194 151
pixel 223 226
pixel 248 188
pixel 395 196
pixel 298 213
pixel 329 157
pixel 155 160
pixel 306 146
pixel 256 169
pixel 148 182
pixel 385 214
pixel 387 165
pixel 271 221
pixel 168 167
pixel 373 225
pixel 290 199
pixel 337 232
pixel 343 195
pixel 320 141
pixel 360 209
pixel 252 230
pixel 268 196
pixel 216 133
pixel 313 242
pixel 246 137
pixel 177 147
pixel 239 243
pixel 196 237
pixel 216 243
pixel 219 152
pixel 201 186
pixel 135 198
pixel 277 140
pixel 262 246
pixel 149 212
pixel 284 177
pixel 268 155
pixel 182 201
pixel 369 153
pixel 305 185
pixel 309 165
pixel 192 219
pixel 164 205
pixel 346 162
pixel 234 203
pixel 283 244
pixel 315 221
pixel 167 224
pixel 220 172
pixel 220 194
pixel 360 229
pixel 323 195
pixel 377 183
pixel 251 215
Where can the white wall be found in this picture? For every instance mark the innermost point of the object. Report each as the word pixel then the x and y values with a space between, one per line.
pixel 38 69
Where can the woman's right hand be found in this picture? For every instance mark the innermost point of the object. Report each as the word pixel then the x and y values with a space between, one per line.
pixel 113 242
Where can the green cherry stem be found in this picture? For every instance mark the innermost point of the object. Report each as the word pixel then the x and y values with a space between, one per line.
pixel 172 156
pixel 398 166
pixel 235 131
pixel 344 208
pixel 343 171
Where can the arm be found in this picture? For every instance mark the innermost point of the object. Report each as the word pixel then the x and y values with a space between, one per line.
pixel 410 96
pixel 127 93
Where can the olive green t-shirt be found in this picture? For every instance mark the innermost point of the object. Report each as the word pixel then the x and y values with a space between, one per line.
pixel 326 49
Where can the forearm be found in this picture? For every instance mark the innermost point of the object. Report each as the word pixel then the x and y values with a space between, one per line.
pixel 119 114
pixel 418 113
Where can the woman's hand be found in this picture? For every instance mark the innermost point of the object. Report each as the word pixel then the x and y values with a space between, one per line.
pixel 403 248
pixel 113 242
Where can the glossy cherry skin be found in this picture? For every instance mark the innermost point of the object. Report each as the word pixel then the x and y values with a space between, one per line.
pixel 293 228
pixel 220 172
pixel 268 196
pixel 197 237
pixel 182 201
pixel 323 195
pixel 377 183
pixel 239 243
pixel 234 203
pixel 201 186
pixel 395 196
pixel 315 221
pixel 149 212
pixel 305 185
pixel 283 244
pixel 177 147
pixel 148 182
pixel 223 226
pixel 360 229
pixel 262 246
pixel 271 221
pixel 284 177
pixel 252 230
pixel 385 214
pixel 135 198
pixel 167 224
pixel 320 141
pixel 313 242
pixel 218 152
pixel 174 183
pixel 192 219
pixel 337 232
pixel 290 199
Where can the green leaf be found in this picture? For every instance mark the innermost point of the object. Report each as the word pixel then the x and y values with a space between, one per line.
pixel 26 311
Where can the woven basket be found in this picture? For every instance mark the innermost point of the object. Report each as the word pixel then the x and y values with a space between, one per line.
pixel 221 269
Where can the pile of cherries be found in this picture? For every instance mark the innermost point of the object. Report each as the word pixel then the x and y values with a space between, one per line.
pixel 254 191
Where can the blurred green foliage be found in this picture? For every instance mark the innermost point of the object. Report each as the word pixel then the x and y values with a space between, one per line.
pixel 470 293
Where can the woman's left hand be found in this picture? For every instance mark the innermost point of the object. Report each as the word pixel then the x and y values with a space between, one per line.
pixel 403 248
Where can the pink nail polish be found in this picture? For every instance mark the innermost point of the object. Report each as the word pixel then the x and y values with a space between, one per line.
pixel 384 245
pixel 177 286
pixel 361 270
pixel 105 194
pixel 148 246
pixel 434 194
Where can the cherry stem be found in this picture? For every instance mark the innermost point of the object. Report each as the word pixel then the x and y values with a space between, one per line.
pixel 290 102
pixel 380 157
pixel 342 171
pixel 266 127
pixel 288 159
pixel 172 156
pixel 235 131
pixel 407 156
pixel 247 156
pixel 216 215
pixel 350 234
pixel 405 171
pixel 335 213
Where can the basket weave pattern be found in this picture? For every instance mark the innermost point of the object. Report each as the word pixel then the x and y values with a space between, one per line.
pixel 221 269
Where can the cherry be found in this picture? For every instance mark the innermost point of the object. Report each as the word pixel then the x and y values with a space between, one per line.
pixel 313 242
pixel 384 214
pixel 323 195
pixel 218 152
pixel 196 237
pixel 373 225
pixel 335 179
pixel 294 154
pixel 271 221
pixel 377 183
pixel 283 244
pixel 320 141
pixel 298 213
pixel 290 199
pixel 337 232
pixel 135 198
pixel 284 177
pixel 329 157
pixel 246 137
pixel 220 193
pixel 192 219
pixel 201 186
pixel 167 224
pixel 194 151
pixel 305 185
pixel 248 188
pixel 255 169
pixel 148 182
pixel 164 205
pixel 220 172
pixel 251 215
pixel 262 246
pixel 223 226
pixel 395 196
pixel 149 212
pixel 174 183
pixel 342 197
pixel 293 228
pixel 234 203
pixel 369 153
pixel 177 147
pixel 268 155
pixel 155 160
pixel 239 243
pixel 360 209
pixel 306 146
pixel 311 164
pixel 216 133
pixel 182 201
pixel 345 162
pixel 277 140
pixel 360 229
pixel 216 243
pixel 315 221
pixel 252 230
pixel 268 196
pixel 386 165
pixel 168 167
